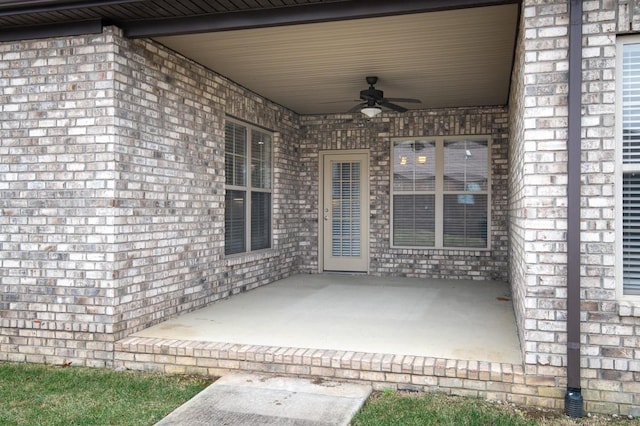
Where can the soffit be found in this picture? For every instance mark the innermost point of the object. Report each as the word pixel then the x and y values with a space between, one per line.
pixel 39 12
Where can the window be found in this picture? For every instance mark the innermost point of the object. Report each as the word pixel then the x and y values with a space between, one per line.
pixel 440 193
pixel 248 188
pixel 629 162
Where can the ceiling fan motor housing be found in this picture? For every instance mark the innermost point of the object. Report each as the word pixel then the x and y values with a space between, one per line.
pixel 371 94
pixel 374 98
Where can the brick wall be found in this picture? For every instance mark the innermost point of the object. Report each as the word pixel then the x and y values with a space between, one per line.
pixel 171 158
pixel 610 357
pixel 57 184
pixel 517 194
pixel 610 343
pixel 112 193
pixel 168 238
pixel 341 132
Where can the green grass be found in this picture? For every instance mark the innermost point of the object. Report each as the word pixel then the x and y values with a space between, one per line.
pixel 38 395
pixel 392 408
pixel 411 409
pixel 45 395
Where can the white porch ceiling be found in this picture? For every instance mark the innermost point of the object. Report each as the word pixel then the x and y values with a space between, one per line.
pixel 446 59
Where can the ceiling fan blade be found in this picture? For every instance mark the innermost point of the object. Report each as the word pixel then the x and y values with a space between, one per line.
pixel 406 100
pixel 394 107
pixel 365 97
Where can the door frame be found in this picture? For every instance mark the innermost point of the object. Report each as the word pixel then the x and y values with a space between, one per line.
pixel 365 153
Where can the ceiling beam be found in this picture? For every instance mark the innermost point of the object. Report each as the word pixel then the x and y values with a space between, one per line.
pixel 292 15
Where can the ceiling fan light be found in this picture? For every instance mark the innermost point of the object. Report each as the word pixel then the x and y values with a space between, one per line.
pixel 371 111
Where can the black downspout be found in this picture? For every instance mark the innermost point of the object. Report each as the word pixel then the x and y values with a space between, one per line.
pixel 573 398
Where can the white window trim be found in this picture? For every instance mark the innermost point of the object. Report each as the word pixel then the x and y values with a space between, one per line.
pixel 249 189
pixel 439 192
pixel 620 168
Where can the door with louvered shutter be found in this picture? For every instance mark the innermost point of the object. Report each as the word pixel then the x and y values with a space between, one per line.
pixel 345 212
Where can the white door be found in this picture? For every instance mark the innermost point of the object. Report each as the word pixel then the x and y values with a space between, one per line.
pixel 345 212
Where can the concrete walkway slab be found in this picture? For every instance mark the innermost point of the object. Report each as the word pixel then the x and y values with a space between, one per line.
pixel 259 399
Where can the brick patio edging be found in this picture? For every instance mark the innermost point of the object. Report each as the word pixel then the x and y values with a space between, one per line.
pixel 488 380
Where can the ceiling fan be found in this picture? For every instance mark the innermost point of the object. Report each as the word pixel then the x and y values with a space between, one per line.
pixel 373 100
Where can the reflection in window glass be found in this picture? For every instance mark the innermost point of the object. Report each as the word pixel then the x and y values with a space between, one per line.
pixel 440 193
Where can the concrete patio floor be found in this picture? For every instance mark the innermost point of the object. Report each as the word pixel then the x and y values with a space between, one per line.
pixel 450 319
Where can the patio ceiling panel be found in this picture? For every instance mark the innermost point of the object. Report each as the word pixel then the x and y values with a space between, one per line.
pixel 447 58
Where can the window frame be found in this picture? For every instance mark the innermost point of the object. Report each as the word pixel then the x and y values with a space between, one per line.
pixel 440 192
pixel 620 169
pixel 248 187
